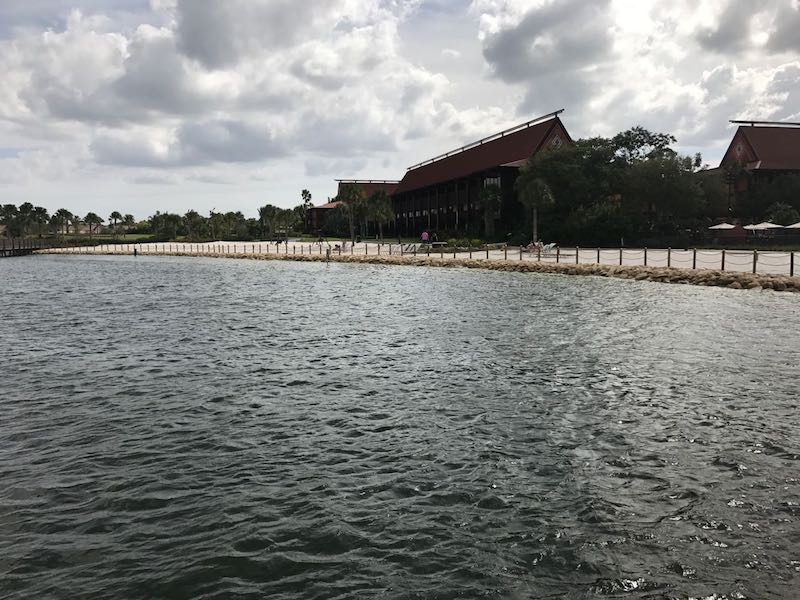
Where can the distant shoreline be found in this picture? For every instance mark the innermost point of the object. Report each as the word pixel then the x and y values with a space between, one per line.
pixel 708 278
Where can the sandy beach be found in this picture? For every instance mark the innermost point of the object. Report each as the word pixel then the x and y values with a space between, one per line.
pixel 666 266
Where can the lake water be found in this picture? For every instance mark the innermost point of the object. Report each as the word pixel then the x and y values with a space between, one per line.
pixel 199 428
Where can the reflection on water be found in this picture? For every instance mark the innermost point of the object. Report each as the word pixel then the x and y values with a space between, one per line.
pixel 183 428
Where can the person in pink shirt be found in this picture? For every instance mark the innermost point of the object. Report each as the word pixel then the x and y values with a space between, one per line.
pixel 425 237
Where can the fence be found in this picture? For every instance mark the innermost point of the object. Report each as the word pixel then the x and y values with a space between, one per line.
pixel 742 261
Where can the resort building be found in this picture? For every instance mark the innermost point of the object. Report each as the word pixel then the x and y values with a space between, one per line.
pixel 322 219
pixel 443 194
pixel 760 151
pixel 765 147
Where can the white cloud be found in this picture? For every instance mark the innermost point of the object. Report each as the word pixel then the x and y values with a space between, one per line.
pixel 276 94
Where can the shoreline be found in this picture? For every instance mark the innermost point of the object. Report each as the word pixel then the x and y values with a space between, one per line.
pixel 701 277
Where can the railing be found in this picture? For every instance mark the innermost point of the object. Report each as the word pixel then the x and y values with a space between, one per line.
pixel 742 261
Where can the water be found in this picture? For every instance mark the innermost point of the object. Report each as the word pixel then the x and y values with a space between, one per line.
pixel 191 428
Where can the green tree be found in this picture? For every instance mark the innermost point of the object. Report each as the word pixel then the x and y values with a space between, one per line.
pixel 380 210
pixel 490 198
pixel 352 205
pixel 268 216
pixel 9 219
pixel 76 222
pixel 93 221
pixel 64 218
pixel 40 219
pixel 783 214
pixel 534 193
pixel 24 219
pixel 128 223
pixel 115 218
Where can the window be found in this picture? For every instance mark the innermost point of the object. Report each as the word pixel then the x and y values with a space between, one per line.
pixel 556 143
pixel 491 181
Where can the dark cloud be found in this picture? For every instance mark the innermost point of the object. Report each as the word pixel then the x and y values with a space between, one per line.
pixel 732 30
pixel 786 36
pixel 227 141
pixel 201 143
pixel 156 79
pixel 218 33
pixel 557 37
pixel 342 133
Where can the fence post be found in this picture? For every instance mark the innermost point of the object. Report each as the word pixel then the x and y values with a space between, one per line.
pixel 538 255
pixel 470 252
pixel 791 264
pixel 487 251
pixel 645 256
pixel 620 257
pixel 755 261
pixel 505 252
pixel 669 257
pixel 558 254
pixel 722 268
pixel 598 255
pixel 577 255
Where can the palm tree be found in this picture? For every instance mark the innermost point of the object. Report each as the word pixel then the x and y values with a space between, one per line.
pixel 65 218
pixel 128 222
pixel 76 222
pixel 268 216
pixel 490 197
pixel 25 218
pixel 8 218
pixel 534 193
pixel 352 198
pixel 40 219
pixel 114 218
pixel 93 220
pixel 381 211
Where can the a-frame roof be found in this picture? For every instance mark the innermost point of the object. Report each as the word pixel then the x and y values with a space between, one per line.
pixel 766 147
pixel 508 148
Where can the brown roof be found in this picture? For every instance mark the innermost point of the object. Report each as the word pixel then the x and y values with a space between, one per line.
pixel 511 148
pixel 370 186
pixel 333 204
pixel 775 147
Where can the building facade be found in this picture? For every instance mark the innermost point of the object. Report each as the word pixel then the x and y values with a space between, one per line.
pixel 443 194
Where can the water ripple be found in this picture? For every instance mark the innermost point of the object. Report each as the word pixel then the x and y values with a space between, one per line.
pixel 189 428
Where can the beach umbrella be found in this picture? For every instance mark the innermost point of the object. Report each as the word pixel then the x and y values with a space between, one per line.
pixel 763 226
pixel 768 225
pixel 723 226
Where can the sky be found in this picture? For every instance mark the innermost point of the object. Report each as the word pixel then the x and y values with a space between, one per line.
pixel 145 105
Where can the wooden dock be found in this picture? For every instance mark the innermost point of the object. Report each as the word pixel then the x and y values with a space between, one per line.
pixel 23 247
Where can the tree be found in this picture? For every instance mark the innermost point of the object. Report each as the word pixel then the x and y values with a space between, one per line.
pixel 93 221
pixel 24 218
pixel 534 193
pixel 40 219
pixel 783 214
pixel 76 222
pixel 352 204
pixel 380 209
pixel 8 218
pixel 490 197
pixel 268 219
pixel 115 217
pixel 128 223
pixel 65 218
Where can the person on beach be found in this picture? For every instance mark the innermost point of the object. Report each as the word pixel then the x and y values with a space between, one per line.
pixel 425 237
pixel 135 252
